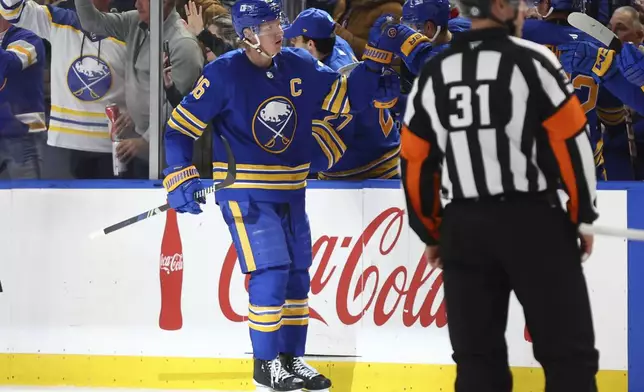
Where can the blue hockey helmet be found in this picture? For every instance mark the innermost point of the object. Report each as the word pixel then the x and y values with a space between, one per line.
pixel 250 14
pixel 567 5
pixel 416 13
pixel 560 5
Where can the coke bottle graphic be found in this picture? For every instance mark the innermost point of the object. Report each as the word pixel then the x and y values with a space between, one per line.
pixel 526 335
pixel 171 274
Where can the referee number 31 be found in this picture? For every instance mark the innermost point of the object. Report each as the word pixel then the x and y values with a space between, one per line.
pixel 463 97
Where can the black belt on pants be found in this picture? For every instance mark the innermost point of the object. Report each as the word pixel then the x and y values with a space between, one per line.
pixel 549 197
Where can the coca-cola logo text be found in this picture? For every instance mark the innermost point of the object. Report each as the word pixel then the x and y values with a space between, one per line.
pixel 376 294
pixel 171 263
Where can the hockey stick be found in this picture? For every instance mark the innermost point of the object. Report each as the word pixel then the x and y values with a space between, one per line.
pixel 601 33
pixel 630 234
pixel 231 175
pixel 596 30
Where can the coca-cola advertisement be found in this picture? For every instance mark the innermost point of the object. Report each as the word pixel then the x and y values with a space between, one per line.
pixel 126 307
pixel 369 281
pixel 171 274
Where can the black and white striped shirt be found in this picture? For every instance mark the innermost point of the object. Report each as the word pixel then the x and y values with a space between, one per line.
pixel 493 115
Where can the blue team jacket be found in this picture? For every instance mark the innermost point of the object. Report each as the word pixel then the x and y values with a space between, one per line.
pixel 22 68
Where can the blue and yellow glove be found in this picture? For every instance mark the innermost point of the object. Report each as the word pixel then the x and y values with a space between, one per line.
pixel 388 37
pixel 182 183
pixel 631 64
pixel 589 59
pixel 388 90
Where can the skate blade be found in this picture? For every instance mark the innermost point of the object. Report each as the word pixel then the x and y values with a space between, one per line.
pixel 263 388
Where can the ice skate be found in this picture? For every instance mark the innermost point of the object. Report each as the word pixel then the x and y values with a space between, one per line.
pixel 272 376
pixel 313 380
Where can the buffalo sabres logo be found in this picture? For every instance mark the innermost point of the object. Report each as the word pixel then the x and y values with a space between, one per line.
pixel 392 32
pixel 274 124
pixel 89 78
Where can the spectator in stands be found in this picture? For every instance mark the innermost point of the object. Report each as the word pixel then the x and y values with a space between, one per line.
pixel 122 5
pixel 218 36
pixel 133 28
pixel 22 102
pixel 355 17
pixel 87 74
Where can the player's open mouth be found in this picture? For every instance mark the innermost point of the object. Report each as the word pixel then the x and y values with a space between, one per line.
pixel 278 42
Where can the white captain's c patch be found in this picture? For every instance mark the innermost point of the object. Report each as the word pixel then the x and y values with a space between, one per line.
pixel 274 124
pixel 89 78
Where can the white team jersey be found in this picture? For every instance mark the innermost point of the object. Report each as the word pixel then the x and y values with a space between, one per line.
pixel 87 74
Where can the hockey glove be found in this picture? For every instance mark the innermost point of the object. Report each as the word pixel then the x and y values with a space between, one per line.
pixel 182 183
pixel 589 59
pixel 388 90
pixel 388 36
pixel 631 64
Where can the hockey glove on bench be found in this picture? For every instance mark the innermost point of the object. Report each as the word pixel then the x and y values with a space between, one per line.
pixel 182 183
pixel 631 64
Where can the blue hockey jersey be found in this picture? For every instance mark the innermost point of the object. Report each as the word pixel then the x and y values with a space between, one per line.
pixel 266 116
pixel 551 35
pixel 612 114
pixel 22 70
pixel 554 34
pixel 343 48
pixel 371 137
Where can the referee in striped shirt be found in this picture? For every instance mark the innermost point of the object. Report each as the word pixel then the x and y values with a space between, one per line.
pixel 492 123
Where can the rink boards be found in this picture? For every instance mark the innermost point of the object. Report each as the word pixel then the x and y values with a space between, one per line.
pixel 86 313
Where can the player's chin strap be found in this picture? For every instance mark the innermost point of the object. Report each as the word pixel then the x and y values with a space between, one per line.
pixel 257 47
pixel 438 31
pixel 548 14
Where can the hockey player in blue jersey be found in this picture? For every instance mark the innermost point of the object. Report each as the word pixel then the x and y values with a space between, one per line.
pixel 432 19
pixel 370 139
pixel 574 49
pixel 22 102
pixel 623 155
pixel 262 99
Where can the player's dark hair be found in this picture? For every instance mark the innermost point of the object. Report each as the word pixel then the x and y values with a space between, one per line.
pixel 323 45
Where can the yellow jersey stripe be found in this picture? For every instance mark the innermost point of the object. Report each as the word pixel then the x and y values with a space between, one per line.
pixel 338 102
pixel 326 105
pixel 337 154
pixel 329 129
pixel 240 227
pixel 13 13
pixel 271 177
pixel 180 129
pixel 267 168
pixel 200 124
pixel 180 120
pixel 325 150
pixel 373 169
pixel 265 328
pixel 296 321
pixel 263 186
pixel 59 109
pixel 72 131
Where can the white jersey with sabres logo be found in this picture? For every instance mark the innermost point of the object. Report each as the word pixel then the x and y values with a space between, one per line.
pixel 87 74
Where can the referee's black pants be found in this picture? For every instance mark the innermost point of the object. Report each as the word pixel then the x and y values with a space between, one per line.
pixel 525 244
